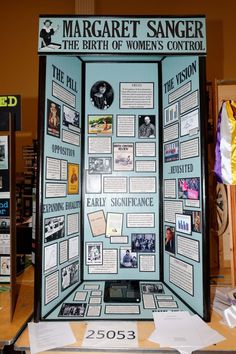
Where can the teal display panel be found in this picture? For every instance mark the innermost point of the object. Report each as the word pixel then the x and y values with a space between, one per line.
pixel 185 249
pixel 60 178
pixel 121 184
pixel 122 175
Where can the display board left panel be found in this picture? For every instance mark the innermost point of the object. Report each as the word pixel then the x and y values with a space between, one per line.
pixel 59 203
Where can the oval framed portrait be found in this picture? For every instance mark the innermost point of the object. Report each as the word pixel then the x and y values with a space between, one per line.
pixel 101 95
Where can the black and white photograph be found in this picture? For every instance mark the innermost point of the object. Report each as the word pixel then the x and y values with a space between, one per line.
pixel 94 253
pixel 72 309
pixel 101 95
pixel 128 259
pixel 147 126
pixel 4 225
pixel 5 265
pixel 100 165
pixel 69 275
pixel 54 118
pixel 152 288
pixel 46 33
pixel 143 242
pixel 54 228
pixel 123 156
pixel 3 152
pixel 70 117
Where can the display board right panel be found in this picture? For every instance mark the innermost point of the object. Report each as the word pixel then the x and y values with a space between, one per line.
pixel 184 229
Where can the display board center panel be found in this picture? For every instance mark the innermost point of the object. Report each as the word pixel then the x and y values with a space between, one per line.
pixel 121 196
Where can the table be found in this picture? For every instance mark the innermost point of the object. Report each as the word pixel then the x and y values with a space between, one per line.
pixel 10 330
pixel 145 328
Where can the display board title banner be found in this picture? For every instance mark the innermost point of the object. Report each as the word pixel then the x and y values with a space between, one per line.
pixel 139 35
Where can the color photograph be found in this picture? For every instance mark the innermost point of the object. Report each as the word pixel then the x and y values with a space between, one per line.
pixel 189 188
pixel 101 124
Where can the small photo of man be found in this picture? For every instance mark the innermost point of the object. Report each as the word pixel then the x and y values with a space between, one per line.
pixel 147 128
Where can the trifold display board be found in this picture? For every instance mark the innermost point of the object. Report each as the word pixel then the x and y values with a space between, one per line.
pixel 121 212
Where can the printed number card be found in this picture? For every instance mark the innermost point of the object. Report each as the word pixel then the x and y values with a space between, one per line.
pixel 110 334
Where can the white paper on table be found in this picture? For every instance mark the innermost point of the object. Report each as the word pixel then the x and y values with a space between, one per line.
pixel 208 335
pixel 170 333
pixel 154 337
pixel 160 317
pixel 175 329
pixel 48 335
